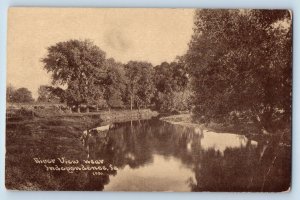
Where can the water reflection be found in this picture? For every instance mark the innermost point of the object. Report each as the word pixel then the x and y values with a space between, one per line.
pixel 221 141
pixel 163 174
pixel 156 156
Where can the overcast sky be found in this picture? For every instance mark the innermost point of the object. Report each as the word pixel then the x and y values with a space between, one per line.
pixel 153 35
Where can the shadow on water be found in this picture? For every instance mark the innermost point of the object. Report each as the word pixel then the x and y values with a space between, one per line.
pixel 152 155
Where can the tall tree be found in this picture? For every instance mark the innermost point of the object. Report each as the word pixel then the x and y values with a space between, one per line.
pixel 240 61
pixel 171 81
pixel 115 84
pixel 140 85
pixel 80 66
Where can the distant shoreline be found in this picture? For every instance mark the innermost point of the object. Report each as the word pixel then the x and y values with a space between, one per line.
pixel 25 113
pixel 186 120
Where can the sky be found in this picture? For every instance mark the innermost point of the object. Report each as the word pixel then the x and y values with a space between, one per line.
pixel 153 35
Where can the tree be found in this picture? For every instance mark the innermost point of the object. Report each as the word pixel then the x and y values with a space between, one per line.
pixel 240 62
pixel 115 84
pixel 10 90
pixel 171 81
pixel 43 93
pixel 48 94
pixel 140 85
pixel 80 66
pixel 22 95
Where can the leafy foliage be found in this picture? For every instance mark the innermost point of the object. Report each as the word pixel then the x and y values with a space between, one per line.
pixel 140 87
pixel 46 94
pixel 115 84
pixel 80 66
pixel 240 63
pixel 21 95
pixel 171 81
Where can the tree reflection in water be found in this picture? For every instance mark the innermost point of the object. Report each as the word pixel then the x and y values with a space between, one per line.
pixel 218 162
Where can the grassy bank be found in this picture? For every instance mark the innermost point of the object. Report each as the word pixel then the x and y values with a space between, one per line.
pixel 51 136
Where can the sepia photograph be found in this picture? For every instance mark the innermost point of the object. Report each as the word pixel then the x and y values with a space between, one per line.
pixel 149 99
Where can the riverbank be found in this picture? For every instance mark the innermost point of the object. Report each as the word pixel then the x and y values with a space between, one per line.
pixel 182 120
pixel 249 129
pixel 106 115
pixel 30 134
pixel 187 121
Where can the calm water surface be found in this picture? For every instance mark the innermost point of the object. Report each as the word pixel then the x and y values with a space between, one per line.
pixel 153 155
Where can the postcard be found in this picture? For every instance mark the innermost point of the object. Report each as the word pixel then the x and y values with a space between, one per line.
pixel 149 99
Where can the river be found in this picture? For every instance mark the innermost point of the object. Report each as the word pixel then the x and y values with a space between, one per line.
pixel 152 155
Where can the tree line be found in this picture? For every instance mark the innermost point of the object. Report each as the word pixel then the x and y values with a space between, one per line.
pixel 238 67
pixel 82 76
